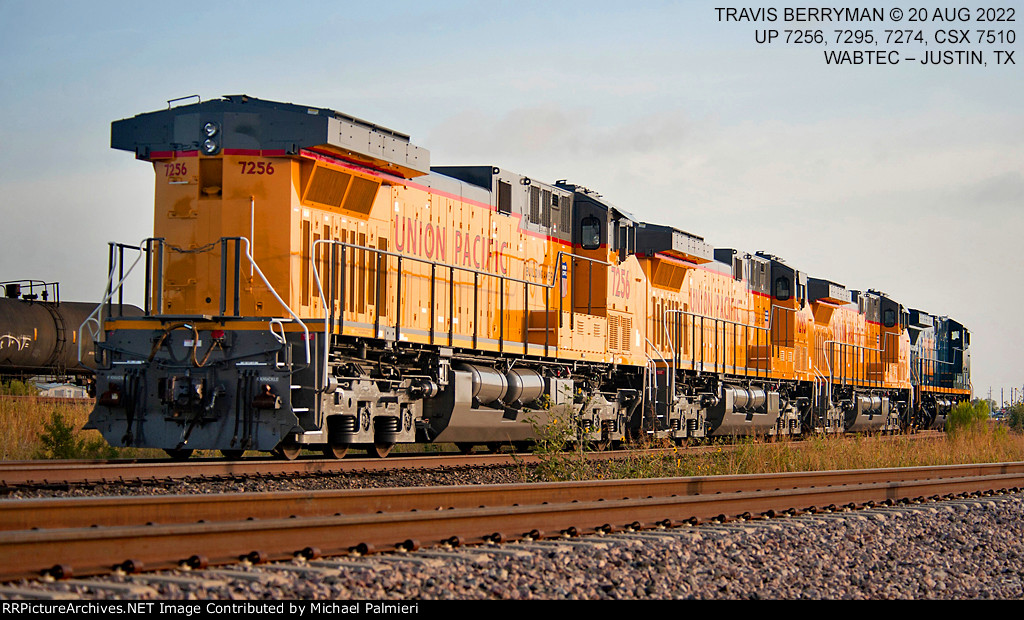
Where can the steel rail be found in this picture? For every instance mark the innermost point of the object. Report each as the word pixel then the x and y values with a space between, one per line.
pixel 52 513
pixel 27 553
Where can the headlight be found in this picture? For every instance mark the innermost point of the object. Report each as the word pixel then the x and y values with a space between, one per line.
pixel 210 146
pixel 210 129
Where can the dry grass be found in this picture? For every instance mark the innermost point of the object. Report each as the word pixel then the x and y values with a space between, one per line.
pixel 22 420
pixel 22 423
pixel 820 453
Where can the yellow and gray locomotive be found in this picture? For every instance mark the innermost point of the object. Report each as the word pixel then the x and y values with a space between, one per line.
pixel 314 283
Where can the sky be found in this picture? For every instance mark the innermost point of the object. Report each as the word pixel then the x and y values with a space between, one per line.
pixel 904 178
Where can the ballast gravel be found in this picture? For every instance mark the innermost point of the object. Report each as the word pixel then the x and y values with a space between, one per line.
pixel 440 476
pixel 962 549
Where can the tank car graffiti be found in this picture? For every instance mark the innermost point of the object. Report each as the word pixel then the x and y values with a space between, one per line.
pixel 17 343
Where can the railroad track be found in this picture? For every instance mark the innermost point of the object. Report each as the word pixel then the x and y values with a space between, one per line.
pixel 86 536
pixel 48 473
pixel 15 474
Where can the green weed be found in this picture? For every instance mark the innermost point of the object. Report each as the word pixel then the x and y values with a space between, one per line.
pixel 967 416
pixel 60 440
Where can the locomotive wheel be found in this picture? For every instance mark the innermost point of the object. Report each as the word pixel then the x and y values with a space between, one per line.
pixel 493 447
pixel 288 452
pixel 464 448
pixel 232 455
pixel 179 454
pixel 380 450
pixel 335 451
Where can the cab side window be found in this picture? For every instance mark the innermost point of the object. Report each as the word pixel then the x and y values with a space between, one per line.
pixel 782 290
pixel 590 233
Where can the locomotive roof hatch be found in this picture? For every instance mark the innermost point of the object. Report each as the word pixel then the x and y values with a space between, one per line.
pixel 670 253
pixel 919 319
pixel 239 124
pixel 918 323
pixel 819 290
pixel 653 239
pixel 825 297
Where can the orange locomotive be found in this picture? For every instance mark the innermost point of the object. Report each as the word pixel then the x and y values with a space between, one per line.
pixel 313 283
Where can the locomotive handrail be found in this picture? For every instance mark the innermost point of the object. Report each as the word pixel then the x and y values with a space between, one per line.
pixel 920 377
pixel 329 314
pixel 921 361
pixel 280 325
pixel 144 248
pixel 561 254
pixel 295 317
pixel 96 316
pixel 668 335
pixel 244 241
pixel 934 359
pixel 831 353
pixel 650 383
pixel 771 316
pixel 824 381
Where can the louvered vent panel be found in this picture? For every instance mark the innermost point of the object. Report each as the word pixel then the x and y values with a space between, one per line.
pixel 327 187
pixel 545 213
pixel 613 332
pixel 360 197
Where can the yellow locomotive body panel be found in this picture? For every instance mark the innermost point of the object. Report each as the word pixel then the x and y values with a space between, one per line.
pixel 467 275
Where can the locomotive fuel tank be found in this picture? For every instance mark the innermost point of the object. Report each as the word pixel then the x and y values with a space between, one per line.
pixel 870 413
pixel 744 411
